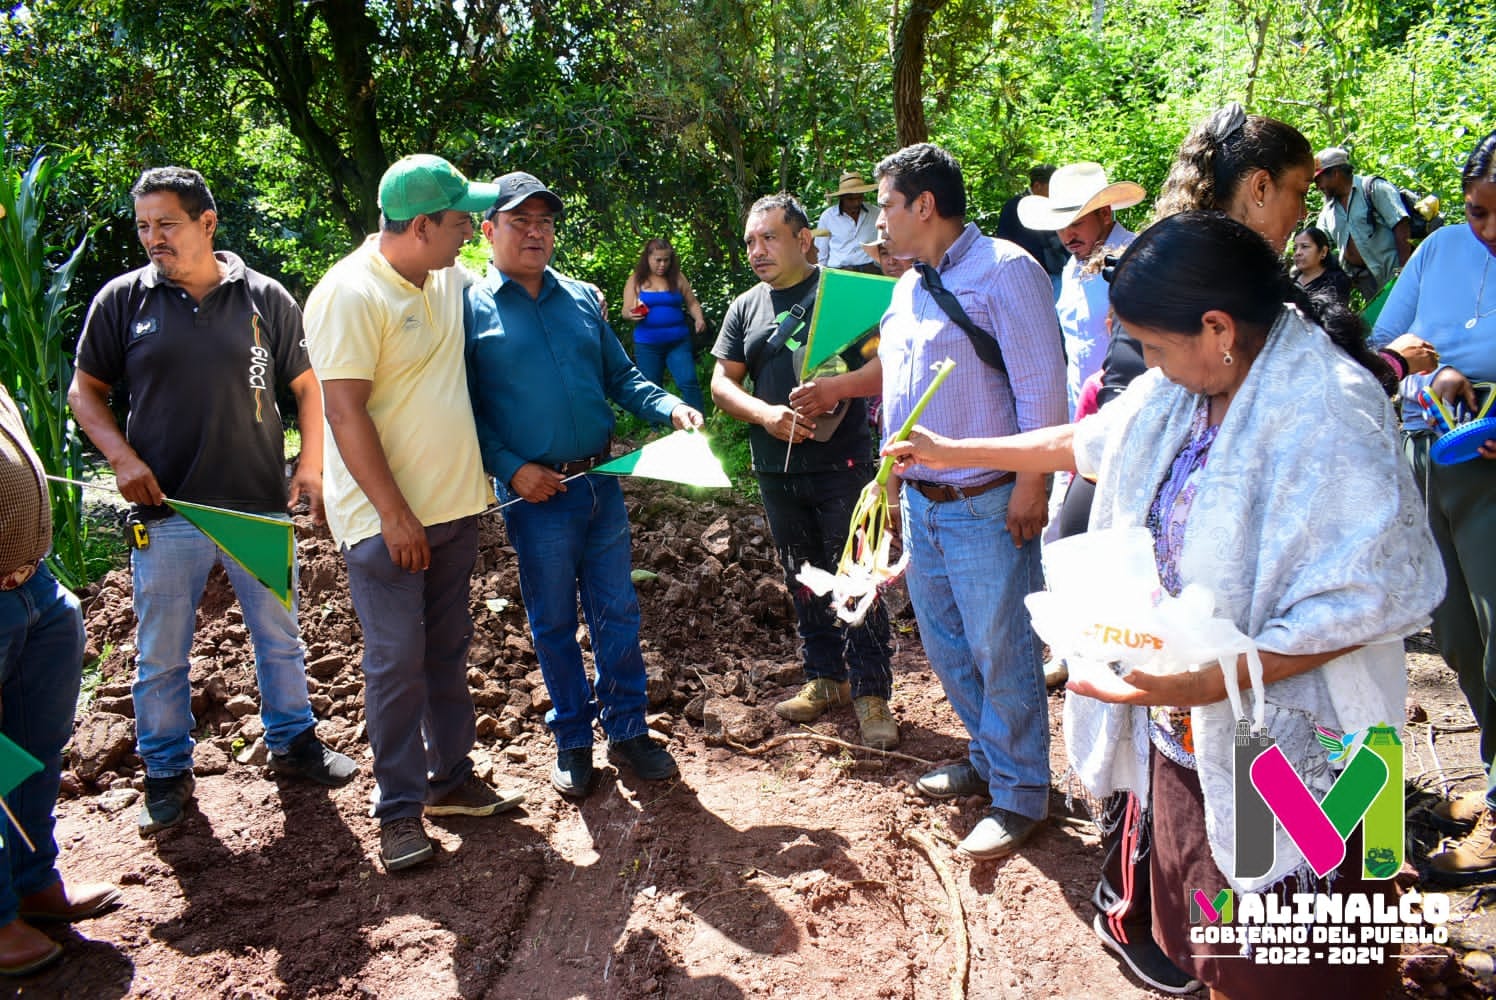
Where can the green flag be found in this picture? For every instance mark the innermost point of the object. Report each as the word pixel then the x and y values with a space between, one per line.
pixel 849 304
pixel 16 765
pixel 1374 307
pixel 681 457
pixel 264 546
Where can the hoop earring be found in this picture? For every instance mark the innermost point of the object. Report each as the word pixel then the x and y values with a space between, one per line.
pixel 1227 359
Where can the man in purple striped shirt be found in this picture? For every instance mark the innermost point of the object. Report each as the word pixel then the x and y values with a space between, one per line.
pixel 973 533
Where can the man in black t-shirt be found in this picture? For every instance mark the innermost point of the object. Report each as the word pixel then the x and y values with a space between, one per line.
pixel 202 343
pixel 811 465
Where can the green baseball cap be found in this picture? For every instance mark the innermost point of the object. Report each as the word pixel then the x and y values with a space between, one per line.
pixel 423 184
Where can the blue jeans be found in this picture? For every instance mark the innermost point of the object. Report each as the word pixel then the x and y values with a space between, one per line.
pixel 652 360
pixel 170 574
pixel 967 582
pixel 41 665
pixel 417 629
pixel 578 542
pixel 809 516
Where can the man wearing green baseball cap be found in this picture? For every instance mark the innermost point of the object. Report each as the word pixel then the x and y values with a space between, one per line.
pixel 403 488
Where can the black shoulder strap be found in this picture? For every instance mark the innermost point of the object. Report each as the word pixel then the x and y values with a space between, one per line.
pixel 794 318
pixel 984 343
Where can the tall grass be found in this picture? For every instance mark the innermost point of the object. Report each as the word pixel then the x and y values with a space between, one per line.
pixel 35 365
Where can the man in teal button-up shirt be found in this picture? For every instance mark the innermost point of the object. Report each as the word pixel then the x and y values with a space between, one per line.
pixel 543 369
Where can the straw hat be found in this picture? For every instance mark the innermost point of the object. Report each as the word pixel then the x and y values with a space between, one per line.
pixel 851 183
pixel 1076 190
pixel 872 249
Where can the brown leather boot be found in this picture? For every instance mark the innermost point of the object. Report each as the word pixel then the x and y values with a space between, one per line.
pixel 1473 859
pixel 24 949
pixel 59 903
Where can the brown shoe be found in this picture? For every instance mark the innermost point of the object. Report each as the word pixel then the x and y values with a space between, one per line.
pixel 1473 859
pixel 879 731
pixel 59 903
pixel 813 700
pixel 1458 815
pixel 24 949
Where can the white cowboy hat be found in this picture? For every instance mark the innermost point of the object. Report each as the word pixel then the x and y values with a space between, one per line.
pixel 1076 190
pixel 851 183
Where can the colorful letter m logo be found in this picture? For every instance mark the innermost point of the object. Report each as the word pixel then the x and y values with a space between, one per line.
pixel 1205 910
pixel 1364 794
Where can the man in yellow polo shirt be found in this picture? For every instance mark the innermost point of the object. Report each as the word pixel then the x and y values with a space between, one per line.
pixel 403 487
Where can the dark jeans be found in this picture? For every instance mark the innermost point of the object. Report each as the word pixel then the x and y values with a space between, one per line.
pixel 41 665
pixel 809 516
pixel 577 544
pixel 417 629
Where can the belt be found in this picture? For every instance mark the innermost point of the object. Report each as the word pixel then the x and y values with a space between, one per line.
pixel 941 493
pixel 581 465
pixel 17 577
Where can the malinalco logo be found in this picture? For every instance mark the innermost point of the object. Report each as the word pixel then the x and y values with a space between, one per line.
pixel 1367 793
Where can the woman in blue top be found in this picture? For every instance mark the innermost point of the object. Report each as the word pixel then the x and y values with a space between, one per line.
pixel 659 299
pixel 1447 296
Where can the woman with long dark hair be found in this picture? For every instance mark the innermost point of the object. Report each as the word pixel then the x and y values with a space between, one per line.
pixel 1312 544
pixel 1447 295
pixel 660 301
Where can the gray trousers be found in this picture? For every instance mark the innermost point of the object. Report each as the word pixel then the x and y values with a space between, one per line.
pixel 417 629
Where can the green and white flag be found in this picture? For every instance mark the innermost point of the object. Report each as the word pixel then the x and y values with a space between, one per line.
pixel 681 457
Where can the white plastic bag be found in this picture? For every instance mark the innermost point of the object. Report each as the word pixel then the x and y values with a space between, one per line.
pixel 1105 605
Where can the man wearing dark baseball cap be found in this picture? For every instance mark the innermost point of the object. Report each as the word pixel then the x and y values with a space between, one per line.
pixel 545 370
pixel 403 486
pixel 513 190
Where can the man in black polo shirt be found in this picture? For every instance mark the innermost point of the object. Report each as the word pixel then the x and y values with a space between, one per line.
pixel 201 342
pixel 811 466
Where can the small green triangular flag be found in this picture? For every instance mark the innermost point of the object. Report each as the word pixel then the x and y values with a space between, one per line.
pixel 16 765
pixel 849 305
pixel 1374 307
pixel 264 546
pixel 681 457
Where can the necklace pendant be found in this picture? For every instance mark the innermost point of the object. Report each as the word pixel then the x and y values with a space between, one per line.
pixel 1470 323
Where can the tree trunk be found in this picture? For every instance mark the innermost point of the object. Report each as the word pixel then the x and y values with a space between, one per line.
pixel 909 71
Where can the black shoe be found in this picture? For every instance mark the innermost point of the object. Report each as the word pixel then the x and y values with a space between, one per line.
pixel 165 802
pixel 644 757
pixel 403 843
pixel 571 775
pixel 307 757
pixel 1147 961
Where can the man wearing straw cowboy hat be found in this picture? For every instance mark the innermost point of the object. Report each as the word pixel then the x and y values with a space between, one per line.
pixel 203 342
pixel 850 222
pixel 41 666
pixel 1080 208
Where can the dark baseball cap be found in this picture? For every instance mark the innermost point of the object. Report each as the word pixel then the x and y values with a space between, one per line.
pixel 515 188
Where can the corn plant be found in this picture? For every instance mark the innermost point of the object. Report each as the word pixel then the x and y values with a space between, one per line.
pixel 34 363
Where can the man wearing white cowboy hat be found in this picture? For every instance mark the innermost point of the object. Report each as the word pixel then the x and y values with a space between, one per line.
pixel 849 223
pixel 1080 209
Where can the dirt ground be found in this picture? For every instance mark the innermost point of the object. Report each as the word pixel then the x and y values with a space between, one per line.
pixel 785 871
